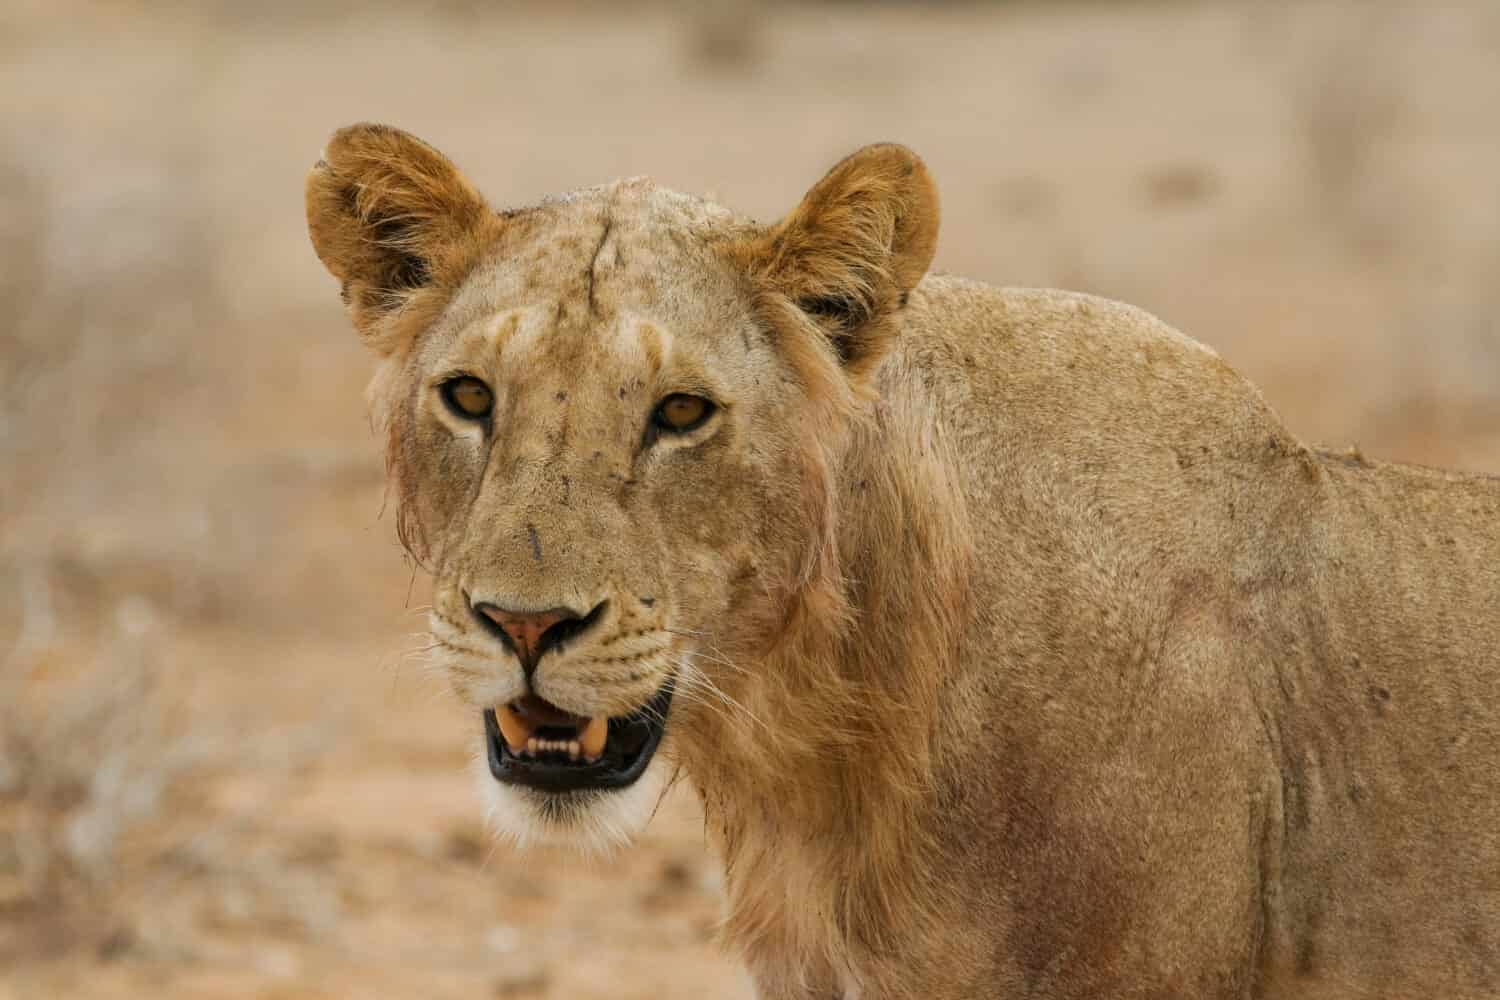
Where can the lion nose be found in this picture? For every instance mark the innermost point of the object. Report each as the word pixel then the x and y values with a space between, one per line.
pixel 530 634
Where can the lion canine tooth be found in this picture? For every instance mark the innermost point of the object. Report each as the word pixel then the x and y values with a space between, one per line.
pixel 513 728
pixel 591 740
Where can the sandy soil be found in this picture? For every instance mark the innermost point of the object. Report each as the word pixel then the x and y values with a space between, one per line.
pixel 223 769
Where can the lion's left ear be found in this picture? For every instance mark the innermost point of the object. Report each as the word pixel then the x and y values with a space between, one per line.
pixel 851 251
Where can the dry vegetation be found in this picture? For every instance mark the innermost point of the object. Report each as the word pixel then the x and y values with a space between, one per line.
pixel 218 774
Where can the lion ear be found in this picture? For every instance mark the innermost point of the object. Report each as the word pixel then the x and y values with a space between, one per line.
pixel 390 216
pixel 851 251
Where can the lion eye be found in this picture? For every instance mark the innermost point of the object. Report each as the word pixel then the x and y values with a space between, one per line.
pixel 680 412
pixel 468 397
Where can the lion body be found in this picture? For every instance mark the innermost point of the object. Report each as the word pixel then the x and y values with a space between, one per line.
pixel 1021 651
pixel 1225 723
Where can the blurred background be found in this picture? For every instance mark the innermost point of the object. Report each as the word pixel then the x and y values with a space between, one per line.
pixel 224 771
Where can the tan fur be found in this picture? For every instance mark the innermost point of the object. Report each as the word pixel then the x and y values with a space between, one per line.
pixel 1020 650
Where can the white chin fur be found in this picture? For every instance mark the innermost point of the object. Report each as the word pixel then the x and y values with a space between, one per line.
pixel 593 822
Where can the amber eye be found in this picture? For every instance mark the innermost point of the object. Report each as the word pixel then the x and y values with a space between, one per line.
pixel 680 412
pixel 468 397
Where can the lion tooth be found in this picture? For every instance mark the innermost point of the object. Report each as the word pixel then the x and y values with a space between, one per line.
pixel 573 749
pixel 591 740
pixel 532 745
pixel 513 728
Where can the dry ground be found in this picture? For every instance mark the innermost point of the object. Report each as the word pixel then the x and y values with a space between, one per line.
pixel 220 776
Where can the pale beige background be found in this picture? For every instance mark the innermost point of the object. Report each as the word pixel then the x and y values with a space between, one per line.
pixel 220 775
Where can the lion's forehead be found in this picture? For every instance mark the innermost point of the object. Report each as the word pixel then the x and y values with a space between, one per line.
pixel 619 276
pixel 628 245
pixel 642 199
pixel 534 339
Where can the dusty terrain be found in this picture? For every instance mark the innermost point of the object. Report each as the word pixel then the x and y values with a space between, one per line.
pixel 224 771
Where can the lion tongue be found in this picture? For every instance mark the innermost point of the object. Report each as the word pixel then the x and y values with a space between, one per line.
pixel 593 736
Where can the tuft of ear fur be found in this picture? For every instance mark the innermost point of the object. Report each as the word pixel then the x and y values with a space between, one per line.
pixel 849 254
pixel 391 217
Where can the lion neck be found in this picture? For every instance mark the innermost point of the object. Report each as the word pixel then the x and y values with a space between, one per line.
pixel 819 812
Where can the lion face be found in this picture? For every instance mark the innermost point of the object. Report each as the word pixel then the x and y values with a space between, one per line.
pixel 611 424
pixel 610 498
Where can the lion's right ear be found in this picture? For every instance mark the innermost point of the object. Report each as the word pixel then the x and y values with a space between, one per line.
pixel 390 216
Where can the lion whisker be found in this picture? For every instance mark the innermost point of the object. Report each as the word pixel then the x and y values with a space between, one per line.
pixel 698 681
pixel 717 655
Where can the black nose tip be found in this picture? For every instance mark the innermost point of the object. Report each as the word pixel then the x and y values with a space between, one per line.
pixel 530 634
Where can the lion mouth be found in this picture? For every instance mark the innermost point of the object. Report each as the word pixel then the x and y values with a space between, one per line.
pixel 534 743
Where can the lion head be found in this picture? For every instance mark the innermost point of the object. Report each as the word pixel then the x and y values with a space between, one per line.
pixel 614 423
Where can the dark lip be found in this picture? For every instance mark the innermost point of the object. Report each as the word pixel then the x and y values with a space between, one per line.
pixel 615 769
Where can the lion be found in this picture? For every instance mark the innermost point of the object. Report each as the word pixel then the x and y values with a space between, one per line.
pixel 1012 645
